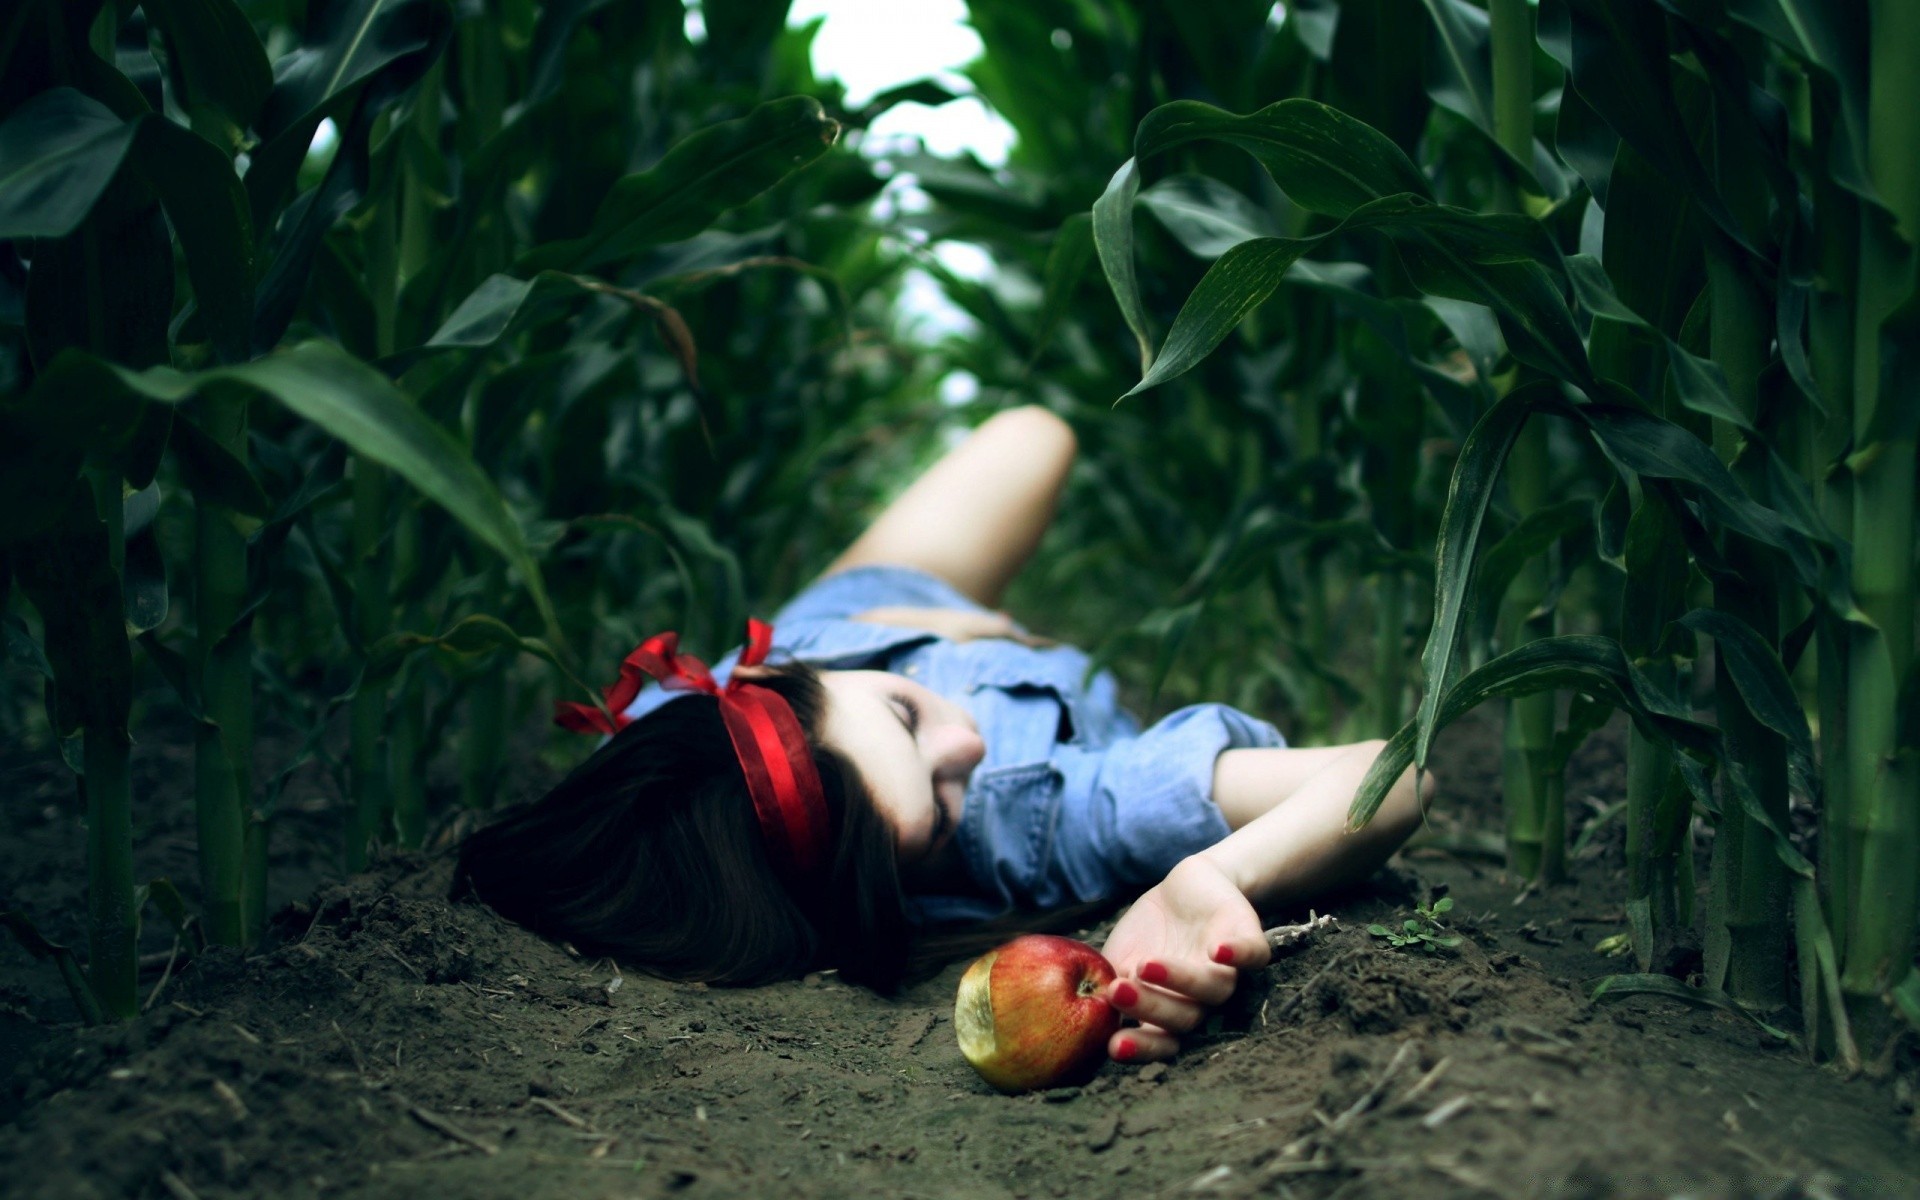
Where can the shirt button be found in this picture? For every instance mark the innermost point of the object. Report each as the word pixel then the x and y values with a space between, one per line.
pixel 913 669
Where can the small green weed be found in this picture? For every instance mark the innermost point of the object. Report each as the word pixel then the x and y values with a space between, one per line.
pixel 1423 929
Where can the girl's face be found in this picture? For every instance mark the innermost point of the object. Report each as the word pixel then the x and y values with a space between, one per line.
pixel 915 750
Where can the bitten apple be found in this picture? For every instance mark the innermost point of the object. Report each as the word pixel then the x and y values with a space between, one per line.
pixel 1034 1014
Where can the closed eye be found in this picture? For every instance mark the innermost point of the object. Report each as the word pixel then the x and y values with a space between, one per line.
pixel 910 712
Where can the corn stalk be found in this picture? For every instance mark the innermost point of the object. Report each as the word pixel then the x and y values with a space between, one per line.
pixel 231 872
pixel 1745 865
pixel 1535 820
pixel 1884 773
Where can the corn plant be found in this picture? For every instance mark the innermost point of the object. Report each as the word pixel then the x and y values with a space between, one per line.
pixel 1658 312
pixel 381 373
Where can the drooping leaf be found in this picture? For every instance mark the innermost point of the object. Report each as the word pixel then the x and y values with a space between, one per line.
pixel 62 149
pixel 30 939
pixel 358 405
pixel 1323 159
pixel 1451 252
pixel 1113 238
pixel 472 635
pixel 1755 669
pixel 1645 444
pixel 214 59
pixel 1231 288
pixel 1584 663
pixel 1615 987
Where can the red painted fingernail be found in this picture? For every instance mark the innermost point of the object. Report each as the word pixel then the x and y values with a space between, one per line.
pixel 1126 1050
pixel 1154 973
pixel 1125 994
pixel 1223 955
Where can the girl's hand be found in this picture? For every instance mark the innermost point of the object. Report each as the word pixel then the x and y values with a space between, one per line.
pixel 954 624
pixel 1179 950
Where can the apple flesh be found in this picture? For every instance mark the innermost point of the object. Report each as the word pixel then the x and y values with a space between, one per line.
pixel 1034 1014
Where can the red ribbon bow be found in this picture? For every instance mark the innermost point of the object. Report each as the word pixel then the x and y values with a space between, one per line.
pixel 772 748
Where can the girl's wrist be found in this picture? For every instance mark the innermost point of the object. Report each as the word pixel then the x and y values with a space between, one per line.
pixel 1218 859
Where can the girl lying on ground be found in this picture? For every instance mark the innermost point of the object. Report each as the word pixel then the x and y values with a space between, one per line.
pixel 914 761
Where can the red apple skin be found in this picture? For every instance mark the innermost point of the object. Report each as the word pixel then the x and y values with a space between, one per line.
pixel 1034 1013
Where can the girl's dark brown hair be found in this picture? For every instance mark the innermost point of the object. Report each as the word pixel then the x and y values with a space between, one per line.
pixel 649 852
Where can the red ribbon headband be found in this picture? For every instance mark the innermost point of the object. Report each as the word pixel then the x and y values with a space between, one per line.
pixel 773 752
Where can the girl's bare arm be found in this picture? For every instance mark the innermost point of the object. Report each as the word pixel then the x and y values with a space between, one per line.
pixel 975 516
pixel 1297 844
pixel 1181 946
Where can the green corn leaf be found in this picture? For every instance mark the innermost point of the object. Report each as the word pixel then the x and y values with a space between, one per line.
pixel 1113 239
pixel 173 906
pixel 1762 681
pixel 1820 974
pixel 1538 327
pixel 62 149
pixel 182 676
pixel 1535 533
pixel 1618 57
pixel 1579 662
pixel 350 43
pixel 356 404
pixel 214 474
pixel 472 635
pixel 1616 987
pixel 58 153
pixel 1323 159
pixel 1231 288
pixel 214 59
pixel 1468 494
pixel 1833 38
pixel 718 168
pixel 499 307
pixel 1896 418
pixel 37 945
pixel 547 56
pixel 1649 446
pixel 1700 383
pixel 1448 251
pixel 1067 261
pixel 1460 60
pixel 1205 215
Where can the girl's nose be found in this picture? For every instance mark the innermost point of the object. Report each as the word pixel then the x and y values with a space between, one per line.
pixel 956 748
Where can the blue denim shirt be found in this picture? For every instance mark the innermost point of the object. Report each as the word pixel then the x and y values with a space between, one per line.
pixel 1073 801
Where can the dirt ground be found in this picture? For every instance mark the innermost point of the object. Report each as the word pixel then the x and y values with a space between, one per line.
pixel 388 1043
